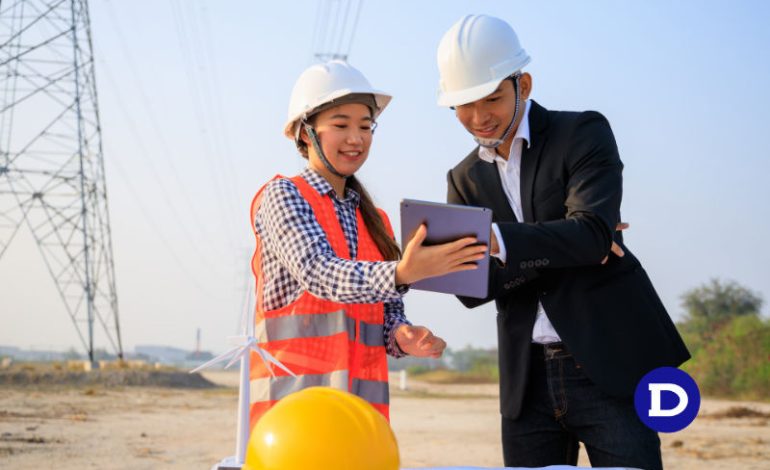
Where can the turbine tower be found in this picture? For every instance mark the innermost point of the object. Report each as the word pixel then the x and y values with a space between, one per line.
pixel 51 164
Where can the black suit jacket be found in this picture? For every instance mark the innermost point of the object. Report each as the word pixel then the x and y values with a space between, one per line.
pixel 609 316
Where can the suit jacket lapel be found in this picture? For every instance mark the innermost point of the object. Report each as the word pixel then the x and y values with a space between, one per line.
pixel 530 157
pixel 491 191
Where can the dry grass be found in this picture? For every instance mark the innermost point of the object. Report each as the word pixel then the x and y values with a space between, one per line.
pixel 738 412
pixel 436 425
pixel 444 376
pixel 37 375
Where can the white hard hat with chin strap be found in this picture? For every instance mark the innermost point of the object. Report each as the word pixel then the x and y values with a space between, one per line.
pixel 323 86
pixel 474 56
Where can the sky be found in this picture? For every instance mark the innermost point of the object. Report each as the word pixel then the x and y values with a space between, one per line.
pixel 193 96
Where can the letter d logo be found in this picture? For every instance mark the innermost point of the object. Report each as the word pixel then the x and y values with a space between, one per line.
pixel 656 389
pixel 667 399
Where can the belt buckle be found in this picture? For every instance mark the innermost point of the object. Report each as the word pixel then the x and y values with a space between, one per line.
pixel 551 349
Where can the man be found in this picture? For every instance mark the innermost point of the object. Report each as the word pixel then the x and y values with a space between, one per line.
pixel 575 335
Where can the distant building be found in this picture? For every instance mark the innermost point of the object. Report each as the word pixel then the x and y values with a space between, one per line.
pixel 164 354
pixel 9 351
pixel 199 356
pixel 31 355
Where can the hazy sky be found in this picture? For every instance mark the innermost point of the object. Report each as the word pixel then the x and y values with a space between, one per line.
pixel 193 97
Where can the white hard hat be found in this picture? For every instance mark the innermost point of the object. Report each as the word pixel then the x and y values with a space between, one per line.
pixel 474 56
pixel 321 84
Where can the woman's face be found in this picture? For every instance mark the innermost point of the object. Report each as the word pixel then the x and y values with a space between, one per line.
pixel 345 135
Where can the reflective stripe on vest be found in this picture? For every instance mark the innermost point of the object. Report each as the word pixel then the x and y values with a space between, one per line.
pixel 270 388
pixel 373 391
pixel 372 334
pixel 323 342
pixel 302 326
pixel 319 324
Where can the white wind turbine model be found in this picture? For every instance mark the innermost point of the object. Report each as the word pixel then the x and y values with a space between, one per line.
pixel 243 345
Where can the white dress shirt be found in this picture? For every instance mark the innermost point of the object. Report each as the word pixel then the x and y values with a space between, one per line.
pixel 510 176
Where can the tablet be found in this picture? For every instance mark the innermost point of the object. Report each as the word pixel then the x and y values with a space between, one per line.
pixel 446 223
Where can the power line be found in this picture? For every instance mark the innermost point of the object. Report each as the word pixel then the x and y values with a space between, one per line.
pixel 170 247
pixel 335 30
pixel 200 254
pixel 201 98
pixel 166 152
pixel 355 26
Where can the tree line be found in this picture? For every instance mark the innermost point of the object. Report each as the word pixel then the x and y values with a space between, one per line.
pixel 729 341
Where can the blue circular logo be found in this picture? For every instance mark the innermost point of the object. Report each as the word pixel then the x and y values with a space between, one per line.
pixel 667 399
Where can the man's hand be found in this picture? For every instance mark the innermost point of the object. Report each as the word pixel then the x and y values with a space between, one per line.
pixel 615 248
pixel 419 341
pixel 494 247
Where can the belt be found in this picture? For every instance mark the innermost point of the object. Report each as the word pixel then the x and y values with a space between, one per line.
pixel 550 350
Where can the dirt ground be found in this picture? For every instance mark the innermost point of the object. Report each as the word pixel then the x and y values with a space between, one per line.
pixel 436 425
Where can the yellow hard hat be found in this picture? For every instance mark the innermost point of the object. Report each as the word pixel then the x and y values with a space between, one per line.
pixel 321 428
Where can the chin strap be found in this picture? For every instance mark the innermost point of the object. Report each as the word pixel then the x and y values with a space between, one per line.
pixel 317 146
pixel 494 143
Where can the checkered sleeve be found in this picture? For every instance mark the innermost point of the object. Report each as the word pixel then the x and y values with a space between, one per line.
pixel 287 226
pixel 394 317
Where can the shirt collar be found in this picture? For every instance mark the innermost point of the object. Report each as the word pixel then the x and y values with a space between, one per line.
pixel 323 187
pixel 489 155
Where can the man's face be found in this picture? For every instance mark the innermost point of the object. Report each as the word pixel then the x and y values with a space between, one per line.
pixel 488 117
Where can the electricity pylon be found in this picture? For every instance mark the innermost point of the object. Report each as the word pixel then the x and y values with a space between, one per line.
pixel 51 163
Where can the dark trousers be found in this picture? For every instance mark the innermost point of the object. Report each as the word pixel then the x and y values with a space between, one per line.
pixel 563 407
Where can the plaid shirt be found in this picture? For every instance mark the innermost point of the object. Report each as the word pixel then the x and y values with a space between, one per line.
pixel 297 256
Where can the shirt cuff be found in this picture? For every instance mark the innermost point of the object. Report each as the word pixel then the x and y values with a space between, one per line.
pixel 501 255
pixel 399 289
pixel 383 281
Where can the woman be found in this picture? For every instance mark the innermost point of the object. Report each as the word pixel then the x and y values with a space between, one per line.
pixel 329 274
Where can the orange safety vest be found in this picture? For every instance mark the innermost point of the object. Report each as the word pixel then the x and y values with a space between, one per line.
pixel 323 342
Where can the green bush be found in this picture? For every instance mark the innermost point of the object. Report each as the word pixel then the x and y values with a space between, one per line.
pixel 732 360
pixel 417 370
pixel 485 366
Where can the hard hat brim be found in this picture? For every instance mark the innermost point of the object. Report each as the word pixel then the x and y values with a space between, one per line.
pixel 468 95
pixel 382 99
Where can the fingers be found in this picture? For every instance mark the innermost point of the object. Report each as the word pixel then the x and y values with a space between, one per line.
pixel 617 250
pixel 426 341
pixel 436 347
pixel 459 244
pixel 430 343
pixel 419 235
pixel 421 262
pixel 467 254
pixel 453 259
pixel 494 244
pixel 472 250
pixel 622 226
pixel 463 267
pixel 407 331
pixel 422 343
pixel 441 345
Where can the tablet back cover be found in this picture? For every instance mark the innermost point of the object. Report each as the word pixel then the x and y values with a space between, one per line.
pixel 448 222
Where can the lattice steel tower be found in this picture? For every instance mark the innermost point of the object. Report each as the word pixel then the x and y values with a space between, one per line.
pixel 51 164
